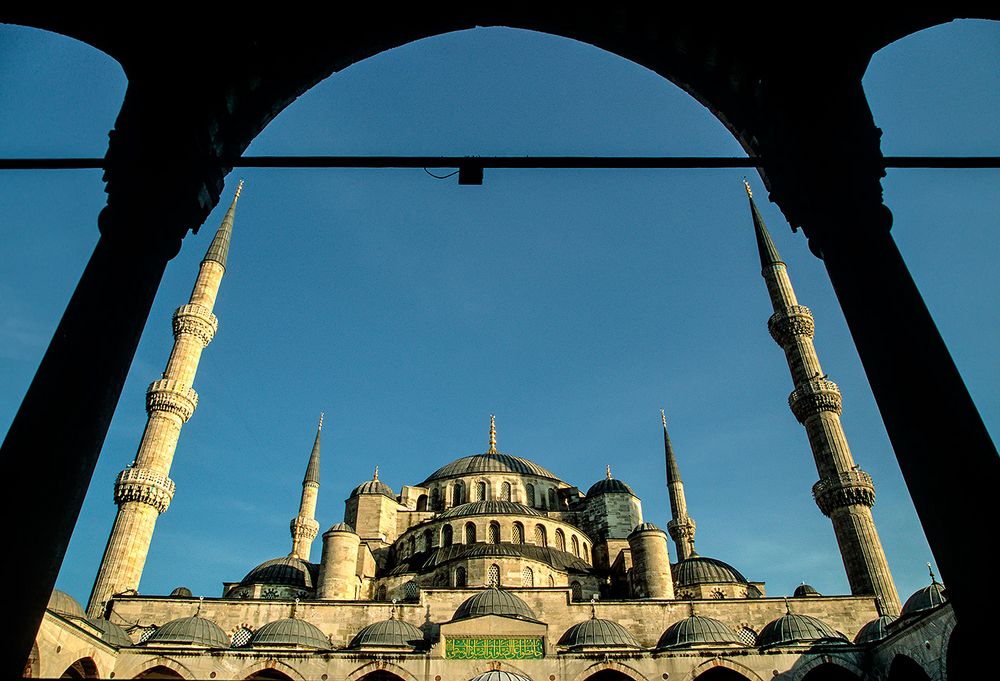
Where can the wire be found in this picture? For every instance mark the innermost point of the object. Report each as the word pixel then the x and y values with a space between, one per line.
pixel 440 177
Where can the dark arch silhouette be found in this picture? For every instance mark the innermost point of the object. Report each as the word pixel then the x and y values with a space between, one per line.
pixel 721 674
pixel 608 675
pixel 904 668
pixel 270 675
pixel 830 672
pixel 84 668
pixel 380 675
pixel 806 117
pixel 159 672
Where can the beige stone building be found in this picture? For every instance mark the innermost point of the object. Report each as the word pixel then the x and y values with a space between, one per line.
pixel 492 568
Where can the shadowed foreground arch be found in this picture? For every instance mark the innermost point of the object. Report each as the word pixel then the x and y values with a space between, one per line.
pixel 806 117
pixel 159 672
pixel 904 668
pixel 84 668
pixel 830 672
pixel 721 674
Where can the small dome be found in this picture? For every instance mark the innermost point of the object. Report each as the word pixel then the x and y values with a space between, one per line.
pixel 929 597
pixel 494 602
pixel 609 486
pixel 491 507
pixel 374 487
pixel 700 570
pixel 390 633
pixel 489 463
pixel 805 591
pixel 341 527
pixel 64 604
pixel 290 632
pixel 111 633
pixel 876 630
pixel 796 629
pixel 194 630
pixel 696 630
pixel 598 633
pixel 645 527
pixel 497 675
pixel 182 592
pixel 286 570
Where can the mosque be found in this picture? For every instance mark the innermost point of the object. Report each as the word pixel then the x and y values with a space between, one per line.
pixel 492 568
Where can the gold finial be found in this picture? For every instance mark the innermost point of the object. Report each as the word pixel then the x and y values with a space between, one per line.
pixel 320 427
pixel 392 611
pixel 609 471
pixel 747 185
pixel 375 476
pixel 201 602
pixel 593 607
pixel 239 188
pixel 931 570
pixel 663 417
pixel 493 435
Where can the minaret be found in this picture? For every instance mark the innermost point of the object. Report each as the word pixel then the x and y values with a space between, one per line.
pixel 844 492
pixel 681 526
pixel 304 527
pixel 143 491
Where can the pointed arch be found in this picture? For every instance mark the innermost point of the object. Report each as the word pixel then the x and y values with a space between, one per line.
pixel 586 552
pixel 517 533
pixel 482 490
pixel 422 502
pixel 576 590
pixel 428 542
pixel 84 668
pixel 270 669
pixel 529 495
pixel 447 535
pixel 380 670
pixel 723 663
pixel 494 532
pixel 470 533
pixel 458 494
pixel 527 577
pixel 436 499
pixel 155 667
pixel 541 537
pixel 493 576
pixel 461 577
pixel 575 543
pixel 610 669
pixel 903 668
pixel 832 668
pixel 560 540
pixel 505 491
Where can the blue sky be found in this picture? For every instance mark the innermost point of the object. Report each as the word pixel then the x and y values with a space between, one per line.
pixel 572 304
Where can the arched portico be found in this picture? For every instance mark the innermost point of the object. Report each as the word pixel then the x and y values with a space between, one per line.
pixel 270 669
pixel 155 668
pixel 610 670
pixel 84 668
pixel 380 670
pixel 723 669
pixel 768 104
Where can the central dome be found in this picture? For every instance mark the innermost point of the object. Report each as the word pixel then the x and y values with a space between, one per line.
pixel 489 463
pixel 490 507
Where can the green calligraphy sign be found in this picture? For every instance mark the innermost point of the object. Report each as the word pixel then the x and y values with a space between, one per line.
pixel 505 648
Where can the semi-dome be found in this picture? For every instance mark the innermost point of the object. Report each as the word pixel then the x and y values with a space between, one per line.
pixel 701 570
pixel 697 630
pixel 64 604
pixel 929 597
pixel 805 591
pixel 490 507
pixel 286 571
pixel 876 630
pixel 193 630
pixel 597 633
pixel 391 633
pixel 609 486
pixel 494 602
pixel 111 633
pixel 290 632
pixel 796 629
pixel 499 675
pixel 489 463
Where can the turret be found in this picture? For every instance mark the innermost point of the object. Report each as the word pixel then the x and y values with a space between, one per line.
pixel 651 576
pixel 304 526
pixel 844 492
pixel 681 526
pixel 338 578
pixel 143 490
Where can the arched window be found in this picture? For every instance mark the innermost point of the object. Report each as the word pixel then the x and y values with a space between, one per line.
pixel 436 499
pixel 586 552
pixel 429 540
pixel 481 490
pixel 553 504
pixel 241 637
pixel 460 577
pixel 494 532
pixel 560 540
pixel 540 538
pixel 470 533
pixel 422 502
pixel 527 577
pixel 458 494
pixel 411 591
pixel 505 491
pixel 577 590
pixel 517 533
pixel 575 543
pixel 411 546
pixel 529 495
pixel 381 593
pixel 493 576
pixel 446 535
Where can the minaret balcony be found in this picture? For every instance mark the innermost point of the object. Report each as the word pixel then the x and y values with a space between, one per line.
pixel 847 488
pixel 196 320
pixel 173 397
pixel 785 325
pixel 813 397
pixel 144 486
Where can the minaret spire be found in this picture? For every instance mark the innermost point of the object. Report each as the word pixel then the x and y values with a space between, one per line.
pixel 493 435
pixel 681 526
pixel 844 492
pixel 304 527
pixel 143 491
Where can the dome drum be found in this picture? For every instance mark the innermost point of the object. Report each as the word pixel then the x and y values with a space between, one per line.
pixel 597 634
pixel 191 631
pixel 392 634
pixel 698 631
pixel 290 633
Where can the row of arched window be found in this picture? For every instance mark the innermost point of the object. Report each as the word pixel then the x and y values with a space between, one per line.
pixel 461 579
pixel 494 535
pixel 482 491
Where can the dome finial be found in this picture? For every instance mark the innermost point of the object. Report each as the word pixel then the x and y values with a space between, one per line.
pixel 201 602
pixel 747 185
pixel 593 607
pixel 392 610
pixel 609 471
pixel 788 608
pixel 375 474
pixel 493 435
pixel 931 570
pixel 295 605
